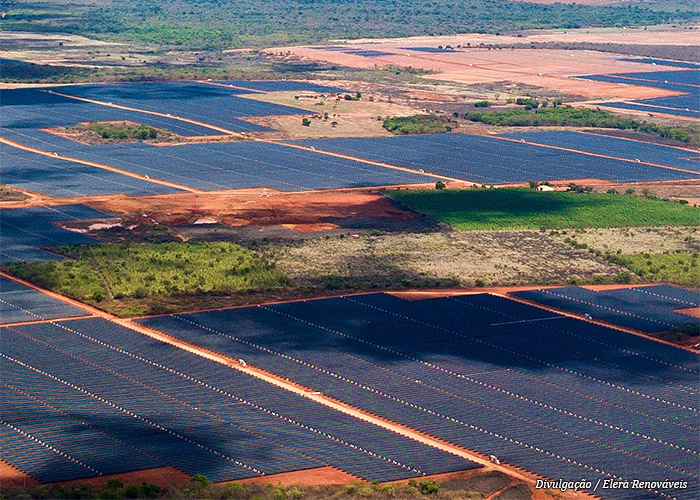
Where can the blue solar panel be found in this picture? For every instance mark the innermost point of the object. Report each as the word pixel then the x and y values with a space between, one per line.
pixel 490 160
pixel 651 108
pixel 176 408
pixel 229 165
pixel 35 108
pixel 639 308
pixel 20 303
pixel 661 62
pixel 63 179
pixel 611 146
pixel 541 391
pixel 24 230
pixel 431 50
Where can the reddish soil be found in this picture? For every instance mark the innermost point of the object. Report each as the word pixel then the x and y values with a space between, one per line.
pixel 691 311
pixel 309 211
pixel 310 477
pixel 162 476
pixel 549 68
pixel 9 476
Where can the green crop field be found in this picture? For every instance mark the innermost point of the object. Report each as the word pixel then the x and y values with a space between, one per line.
pixel 104 275
pixel 679 268
pixel 522 208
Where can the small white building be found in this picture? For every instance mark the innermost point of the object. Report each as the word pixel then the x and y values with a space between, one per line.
pixel 544 187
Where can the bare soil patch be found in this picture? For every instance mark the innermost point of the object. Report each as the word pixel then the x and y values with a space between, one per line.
pixel 256 207
pixel 322 475
pixel 8 193
pixel 162 476
pixel 10 476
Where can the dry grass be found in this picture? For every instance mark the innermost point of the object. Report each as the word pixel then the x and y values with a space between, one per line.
pixel 636 240
pixel 436 259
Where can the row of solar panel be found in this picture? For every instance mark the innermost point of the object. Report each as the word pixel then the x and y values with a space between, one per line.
pixel 491 375
pixel 25 230
pixel 116 393
pixel 648 309
pixel 19 303
pixel 612 146
pixel 229 165
pixel 492 160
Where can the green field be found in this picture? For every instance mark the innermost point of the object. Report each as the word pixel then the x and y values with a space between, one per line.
pixel 522 208
pixel 141 274
pixel 679 268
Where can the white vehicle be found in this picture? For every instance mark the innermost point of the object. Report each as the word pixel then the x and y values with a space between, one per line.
pixel 494 459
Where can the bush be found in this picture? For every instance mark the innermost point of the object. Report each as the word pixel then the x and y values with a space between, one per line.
pixel 482 104
pixel 440 185
pixel 305 122
pixel 429 487
pixel 419 124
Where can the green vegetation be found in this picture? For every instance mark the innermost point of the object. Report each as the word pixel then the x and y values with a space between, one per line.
pixel 123 131
pixel 474 486
pixel 419 124
pixel 103 274
pixel 215 25
pixel 679 268
pixel 577 117
pixel 521 208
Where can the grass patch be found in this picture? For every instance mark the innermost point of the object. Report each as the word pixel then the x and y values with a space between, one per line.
pixel 522 208
pixel 122 131
pixel 679 268
pixel 143 275
pixel 419 124
pixel 575 117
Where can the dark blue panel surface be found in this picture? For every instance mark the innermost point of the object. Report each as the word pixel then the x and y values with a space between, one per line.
pixel 612 146
pixel 24 230
pixel 20 303
pixel 179 409
pixel 548 393
pixel 64 179
pixel 490 160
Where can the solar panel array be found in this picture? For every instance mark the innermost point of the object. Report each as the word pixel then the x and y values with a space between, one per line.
pixel 20 303
pixel 612 146
pixel 211 104
pixel 550 394
pixel 686 81
pixel 229 165
pixel 80 396
pixel 64 179
pixel 35 108
pixel 24 230
pixel 660 62
pixel 648 309
pixel 490 160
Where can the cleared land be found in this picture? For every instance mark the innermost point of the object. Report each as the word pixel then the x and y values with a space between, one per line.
pixel 500 209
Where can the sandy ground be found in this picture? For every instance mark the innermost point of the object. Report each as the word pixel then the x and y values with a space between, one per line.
pixel 257 207
pixel 322 475
pixel 549 68
pixel 659 35
pixel 10 476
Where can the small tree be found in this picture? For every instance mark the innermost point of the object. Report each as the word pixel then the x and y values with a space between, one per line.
pixel 305 122
pixel 440 185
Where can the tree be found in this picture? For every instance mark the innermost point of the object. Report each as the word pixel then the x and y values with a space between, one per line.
pixel 306 122
pixel 440 185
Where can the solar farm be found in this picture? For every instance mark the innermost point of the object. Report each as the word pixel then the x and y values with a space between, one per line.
pixel 343 331
pixel 539 404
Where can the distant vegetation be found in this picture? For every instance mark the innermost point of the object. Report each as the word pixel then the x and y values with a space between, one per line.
pixel 577 117
pixel 521 208
pixel 103 274
pixel 123 131
pixel 250 23
pixel 679 268
pixel 419 124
